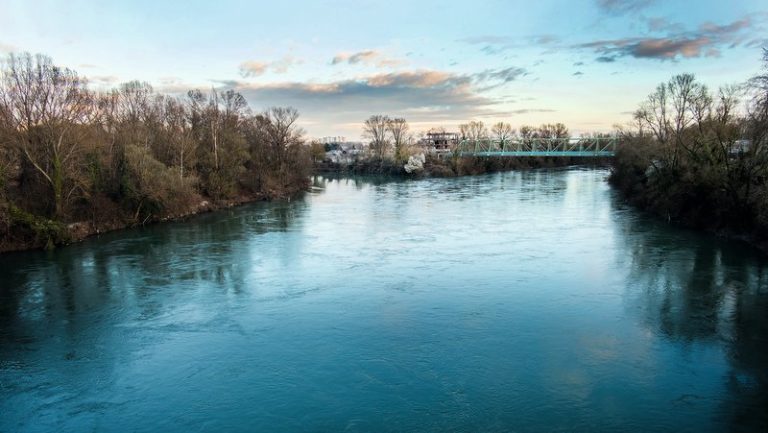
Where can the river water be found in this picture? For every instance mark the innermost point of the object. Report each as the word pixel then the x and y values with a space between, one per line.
pixel 519 301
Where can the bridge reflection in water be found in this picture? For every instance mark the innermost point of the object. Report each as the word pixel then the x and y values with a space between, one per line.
pixel 602 147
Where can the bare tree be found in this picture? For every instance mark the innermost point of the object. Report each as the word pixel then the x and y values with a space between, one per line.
pixel 552 131
pixel 671 110
pixel 527 133
pixel 180 133
pixel 215 121
pixel 47 109
pixel 653 114
pixel 282 134
pixel 473 131
pixel 398 129
pixel 503 132
pixel 282 130
pixel 375 129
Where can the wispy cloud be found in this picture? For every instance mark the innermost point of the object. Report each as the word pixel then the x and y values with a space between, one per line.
pixel 660 24
pixel 492 78
pixel 757 42
pixel 104 79
pixel 255 68
pixel 706 41
pixel 367 57
pixel 531 110
pixel 493 45
pixel 7 48
pixel 620 7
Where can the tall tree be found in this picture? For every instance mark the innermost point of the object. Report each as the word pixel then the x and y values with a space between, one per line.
pixel 375 128
pixel 473 131
pixel 180 136
pixel 398 129
pixel 503 132
pixel 47 109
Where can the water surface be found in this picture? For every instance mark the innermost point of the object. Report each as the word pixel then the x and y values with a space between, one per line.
pixel 521 301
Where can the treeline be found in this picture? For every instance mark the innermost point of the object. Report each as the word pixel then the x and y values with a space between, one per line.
pixel 700 158
pixel 503 131
pixel 390 137
pixel 130 155
pixel 391 144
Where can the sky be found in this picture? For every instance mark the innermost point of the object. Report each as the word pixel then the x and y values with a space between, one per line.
pixel 585 63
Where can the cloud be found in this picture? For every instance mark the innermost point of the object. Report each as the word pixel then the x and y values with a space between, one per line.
pixel 492 78
pixel 620 7
pixel 172 84
pixel 487 39
pixel 706 41
pixel 493 45
pixel 755 43
pixel 7 48
pixel 494 49
pixel 545 39
pixel 578 74
pixel 104 79
pixel 531 110
pixel 419 95
pixel 253 68
pixel 281 66
pixel 659 24
pixel 367 57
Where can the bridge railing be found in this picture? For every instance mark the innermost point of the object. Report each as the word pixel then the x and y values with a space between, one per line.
pixel 581 146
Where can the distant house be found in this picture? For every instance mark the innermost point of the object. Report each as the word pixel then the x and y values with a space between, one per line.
pixel 740 147
pixel 440 141
pixel 343 152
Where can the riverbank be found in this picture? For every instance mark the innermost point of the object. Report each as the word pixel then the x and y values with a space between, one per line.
pixel 451 166
pixel 695 219
pixel 688 197
pixel 24 231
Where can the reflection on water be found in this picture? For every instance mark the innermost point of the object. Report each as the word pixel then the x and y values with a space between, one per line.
pixel 704 292
pixel 521 301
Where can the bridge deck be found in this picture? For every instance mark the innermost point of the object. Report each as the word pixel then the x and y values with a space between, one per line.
pixel 566 153
pixel 582 147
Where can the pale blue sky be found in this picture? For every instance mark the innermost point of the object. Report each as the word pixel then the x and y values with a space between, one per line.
pixel 438 63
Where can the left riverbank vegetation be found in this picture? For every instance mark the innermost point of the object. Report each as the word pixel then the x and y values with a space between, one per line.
pixel 699 157
pixel 74 161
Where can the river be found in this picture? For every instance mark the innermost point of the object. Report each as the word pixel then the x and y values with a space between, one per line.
pixel 518 301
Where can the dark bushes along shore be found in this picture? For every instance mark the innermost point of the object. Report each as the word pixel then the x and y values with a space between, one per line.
pixel 699 158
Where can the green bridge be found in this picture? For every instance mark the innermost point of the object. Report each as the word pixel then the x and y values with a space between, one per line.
pixel 601 147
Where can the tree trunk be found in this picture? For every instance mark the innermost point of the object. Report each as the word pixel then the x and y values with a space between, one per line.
pixel 57 181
